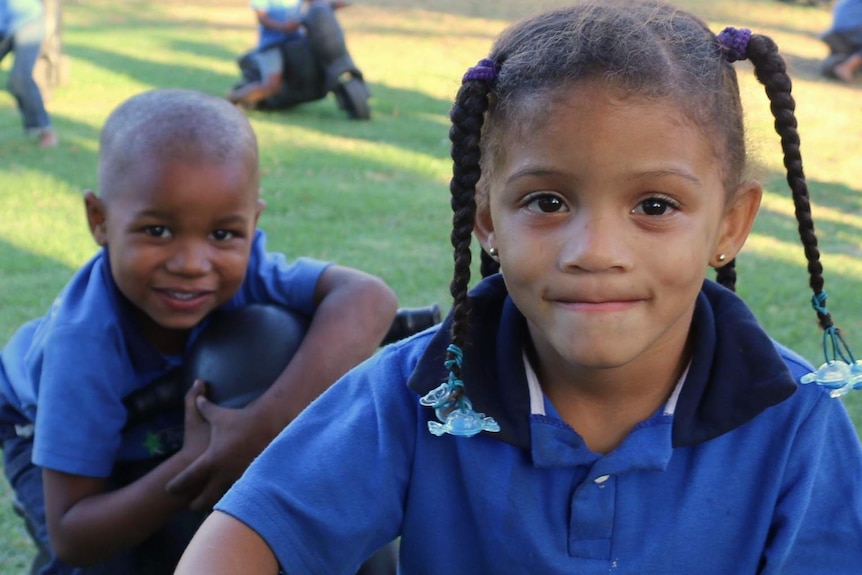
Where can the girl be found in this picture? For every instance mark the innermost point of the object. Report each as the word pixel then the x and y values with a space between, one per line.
pixel 604 409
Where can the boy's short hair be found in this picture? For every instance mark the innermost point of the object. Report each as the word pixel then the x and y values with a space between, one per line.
pixel 173 123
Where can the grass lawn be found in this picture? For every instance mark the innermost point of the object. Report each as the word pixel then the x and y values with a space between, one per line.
pixel 374 195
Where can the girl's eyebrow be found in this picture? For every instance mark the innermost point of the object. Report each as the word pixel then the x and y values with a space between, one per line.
pixel 665 173
pixel 531 172
pixel 539 171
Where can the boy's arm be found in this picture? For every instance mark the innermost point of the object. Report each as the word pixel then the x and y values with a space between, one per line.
pixel 87 524
pixel 353 314
pixel 291 25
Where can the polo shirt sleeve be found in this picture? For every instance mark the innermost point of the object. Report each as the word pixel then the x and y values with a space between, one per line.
pixel 330 490
pixel 271 278
pixel 80 414
pixel 818 518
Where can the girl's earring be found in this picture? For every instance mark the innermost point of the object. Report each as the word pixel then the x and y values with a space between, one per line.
pixel 721 258
pixel 493 252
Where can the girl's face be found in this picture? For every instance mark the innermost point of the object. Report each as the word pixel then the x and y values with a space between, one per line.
pixel 606 216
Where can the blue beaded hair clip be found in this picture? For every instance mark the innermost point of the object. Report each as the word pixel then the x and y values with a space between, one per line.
pixel 452 407
pixel 841 372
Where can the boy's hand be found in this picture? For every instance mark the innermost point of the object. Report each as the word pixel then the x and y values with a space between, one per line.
pixel 196 432
pixel 237 436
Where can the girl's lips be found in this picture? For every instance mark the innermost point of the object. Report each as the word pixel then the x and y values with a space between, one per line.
pixel 599 306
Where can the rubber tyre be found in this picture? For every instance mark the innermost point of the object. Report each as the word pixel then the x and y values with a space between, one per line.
pixel 353 97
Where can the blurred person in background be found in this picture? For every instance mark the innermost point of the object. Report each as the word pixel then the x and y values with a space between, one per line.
pixel 22 30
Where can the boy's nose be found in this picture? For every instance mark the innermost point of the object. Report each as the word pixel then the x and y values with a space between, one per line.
pixel 190 258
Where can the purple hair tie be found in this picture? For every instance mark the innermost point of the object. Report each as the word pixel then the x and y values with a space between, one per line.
pixel 734 43
pixel 486 71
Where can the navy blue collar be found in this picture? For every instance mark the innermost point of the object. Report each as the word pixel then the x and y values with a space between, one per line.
pixel 735 374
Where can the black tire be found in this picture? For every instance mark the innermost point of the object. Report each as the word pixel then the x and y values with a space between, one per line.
pixel 353 97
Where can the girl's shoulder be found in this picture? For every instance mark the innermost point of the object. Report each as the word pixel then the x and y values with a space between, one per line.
pixel 798 365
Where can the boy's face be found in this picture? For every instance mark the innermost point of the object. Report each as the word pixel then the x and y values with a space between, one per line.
pixel 178 236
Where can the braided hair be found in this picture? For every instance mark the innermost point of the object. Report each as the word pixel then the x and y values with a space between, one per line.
pixel 644 48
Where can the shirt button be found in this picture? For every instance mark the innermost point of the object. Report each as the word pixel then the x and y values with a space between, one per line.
pixel 601 479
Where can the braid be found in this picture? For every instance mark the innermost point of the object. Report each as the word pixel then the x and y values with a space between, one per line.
pixel 771 71
pixel 451 406
pixel 467 114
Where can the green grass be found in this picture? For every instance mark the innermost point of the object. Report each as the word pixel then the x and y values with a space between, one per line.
pixel 374 194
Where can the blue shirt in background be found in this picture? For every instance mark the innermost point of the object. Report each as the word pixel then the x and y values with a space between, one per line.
pixel 15 13
pixel 281 11
pixel 847 15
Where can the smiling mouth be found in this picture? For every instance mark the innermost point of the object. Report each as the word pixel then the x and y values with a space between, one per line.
pixel 182 299
pixel 184 295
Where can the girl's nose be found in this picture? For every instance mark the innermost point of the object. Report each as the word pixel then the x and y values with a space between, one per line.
pixel 594 243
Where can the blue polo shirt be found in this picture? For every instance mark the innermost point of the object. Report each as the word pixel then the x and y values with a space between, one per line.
pixel 69 371
pixel 16 13
pixel 749 474
pixel 280 11
pixel 847 15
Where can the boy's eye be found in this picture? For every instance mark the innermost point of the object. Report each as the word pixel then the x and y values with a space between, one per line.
pixel 157 231
pixel 545 203
pixel 222 235
pixel 655 207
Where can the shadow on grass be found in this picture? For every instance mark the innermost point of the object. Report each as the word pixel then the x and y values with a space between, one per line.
pixel 836 211
pixel 204 50
pixel 156 74
pixel 26 277
pixel 406 119
pixel 63 162
pixel 801 67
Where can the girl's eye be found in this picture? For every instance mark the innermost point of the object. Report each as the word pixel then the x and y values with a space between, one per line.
pixel 222 235
pixel 656 207
pixel 157 231
pixel 545 203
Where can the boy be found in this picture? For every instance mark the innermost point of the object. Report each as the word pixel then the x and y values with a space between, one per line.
pixel 280 22
pixel 176 215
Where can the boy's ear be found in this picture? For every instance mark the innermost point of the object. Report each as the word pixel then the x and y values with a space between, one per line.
pixel 738 221
pixel 258 210
pixel 95 209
